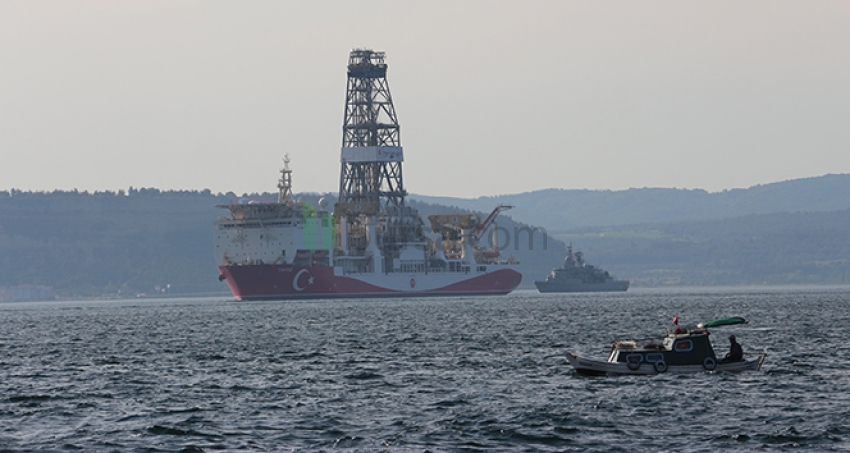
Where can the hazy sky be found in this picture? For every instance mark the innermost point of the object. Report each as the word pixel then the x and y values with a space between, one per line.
pixel 493 97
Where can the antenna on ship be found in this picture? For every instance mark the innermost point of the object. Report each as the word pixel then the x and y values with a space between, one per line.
pixel 285 183
pixel 371 152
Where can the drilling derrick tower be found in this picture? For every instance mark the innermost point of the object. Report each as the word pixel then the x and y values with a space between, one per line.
pixel 371 154
pixel 371 213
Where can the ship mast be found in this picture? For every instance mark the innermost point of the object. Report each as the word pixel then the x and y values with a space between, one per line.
pixel 284 185
pixel 371 154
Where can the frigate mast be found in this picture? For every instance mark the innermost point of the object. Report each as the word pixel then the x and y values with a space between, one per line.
pixel 371 153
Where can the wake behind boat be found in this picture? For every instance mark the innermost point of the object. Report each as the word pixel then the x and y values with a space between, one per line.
pixel 685 350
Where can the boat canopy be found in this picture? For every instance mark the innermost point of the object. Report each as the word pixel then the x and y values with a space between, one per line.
pixel 724 322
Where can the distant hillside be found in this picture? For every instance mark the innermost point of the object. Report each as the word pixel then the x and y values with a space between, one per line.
pixel 757 249
pixel 558 209
pixel 109 243
pixel 154 242
pixel 150 241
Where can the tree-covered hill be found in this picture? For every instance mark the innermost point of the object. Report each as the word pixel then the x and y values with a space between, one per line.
pixel 109 243
pixel 756 249
pixel 119 244
pixel 558 209
pixel 149 241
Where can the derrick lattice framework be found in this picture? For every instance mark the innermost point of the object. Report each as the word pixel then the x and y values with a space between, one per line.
pixel 371 154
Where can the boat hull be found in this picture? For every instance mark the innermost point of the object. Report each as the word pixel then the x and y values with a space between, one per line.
pixel 596 367
pixel 270 281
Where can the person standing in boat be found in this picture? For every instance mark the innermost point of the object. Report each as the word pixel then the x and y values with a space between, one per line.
pixel 736 352
pixel 676 323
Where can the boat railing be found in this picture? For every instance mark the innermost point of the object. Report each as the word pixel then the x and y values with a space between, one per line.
pixel 660 342
pixel 755 354
pixel 634 342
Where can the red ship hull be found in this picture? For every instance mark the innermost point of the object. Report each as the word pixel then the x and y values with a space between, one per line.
pixel 269 281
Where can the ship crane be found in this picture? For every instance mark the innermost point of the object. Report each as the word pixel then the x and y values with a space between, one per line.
pixel 489 221
pixel 460 224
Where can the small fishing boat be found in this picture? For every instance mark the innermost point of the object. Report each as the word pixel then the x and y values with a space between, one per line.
pixel 684 350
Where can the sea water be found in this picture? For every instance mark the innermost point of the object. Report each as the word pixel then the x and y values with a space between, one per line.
pixel 417 375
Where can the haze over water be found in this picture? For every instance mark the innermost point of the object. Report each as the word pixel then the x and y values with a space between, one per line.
pixel 443 374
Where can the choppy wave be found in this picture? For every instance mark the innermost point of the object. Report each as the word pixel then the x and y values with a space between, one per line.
pixel 453 374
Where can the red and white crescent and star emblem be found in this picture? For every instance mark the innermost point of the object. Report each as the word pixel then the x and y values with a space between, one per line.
pixel 296 286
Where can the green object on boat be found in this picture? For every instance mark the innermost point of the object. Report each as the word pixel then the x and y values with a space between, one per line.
pixel 725 322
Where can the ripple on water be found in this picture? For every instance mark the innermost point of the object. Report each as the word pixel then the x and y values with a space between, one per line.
pixel 453 374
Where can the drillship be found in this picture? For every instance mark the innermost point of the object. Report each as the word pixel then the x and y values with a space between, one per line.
pixel 576 276
pixel 373 244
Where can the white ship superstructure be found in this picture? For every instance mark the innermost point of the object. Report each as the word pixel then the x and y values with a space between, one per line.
pixel 373 244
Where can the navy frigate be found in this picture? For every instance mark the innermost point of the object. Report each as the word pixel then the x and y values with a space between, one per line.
pixel 576 276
